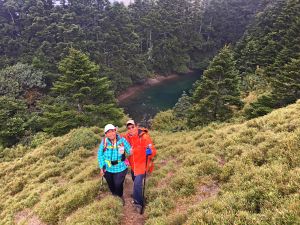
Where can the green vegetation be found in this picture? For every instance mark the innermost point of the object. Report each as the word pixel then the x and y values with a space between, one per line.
pixel 21 81
pixel 168 121
pixel 244 173
pixel 216 95
pixel 106 211
pixel 262 71
pixel 271 45
pixel 162 36
pixel 116 46
pixel 15 120
pixel 83 98
pixel 61 66
pixel 20 89
pixel 57 182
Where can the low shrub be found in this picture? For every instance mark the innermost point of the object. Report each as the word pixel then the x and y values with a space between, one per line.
pixel 184 183
pixel 107 211
pixel 51 211
pixel 77 138
pixel 54 172
pixel 16 185
pixel 159 206
pixel 167 121
pixel 39 139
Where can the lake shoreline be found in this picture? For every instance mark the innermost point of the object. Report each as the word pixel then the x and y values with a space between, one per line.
pixel 134 90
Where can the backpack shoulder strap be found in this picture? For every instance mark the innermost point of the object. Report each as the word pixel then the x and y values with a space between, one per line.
pixel 104 144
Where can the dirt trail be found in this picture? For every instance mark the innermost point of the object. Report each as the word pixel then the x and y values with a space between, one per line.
pixel 26 216
pixel 131 217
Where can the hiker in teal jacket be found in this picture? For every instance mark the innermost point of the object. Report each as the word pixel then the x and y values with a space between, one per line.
pixel 112 159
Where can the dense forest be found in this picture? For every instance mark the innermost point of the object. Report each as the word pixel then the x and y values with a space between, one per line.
pixel 129 43
pixel 63 62
pixel 250 78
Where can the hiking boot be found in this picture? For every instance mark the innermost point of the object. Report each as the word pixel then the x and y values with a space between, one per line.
pixel 138 208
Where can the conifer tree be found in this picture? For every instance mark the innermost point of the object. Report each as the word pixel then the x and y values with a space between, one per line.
pixel 217 94
pixel 83 97
pixel 285 90
pixel 14 120
pixel 183 105
pixel 286 85
pixel 264 105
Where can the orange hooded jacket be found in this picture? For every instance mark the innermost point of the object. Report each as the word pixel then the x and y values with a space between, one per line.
pixel 137 159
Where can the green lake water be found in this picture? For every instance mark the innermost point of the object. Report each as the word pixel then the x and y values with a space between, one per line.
pixel 148 102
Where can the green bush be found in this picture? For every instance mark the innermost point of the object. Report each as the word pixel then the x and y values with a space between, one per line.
pixel 14 120
pixel 166 121
pixel 10 154
pixel 39 139
pixel 51 211
pixel 107 211
pixel 54 172
pixel 17 185
pixel 209 168
pixel 264 105
pixel 77 138
pixel 184 183
pixel 159 206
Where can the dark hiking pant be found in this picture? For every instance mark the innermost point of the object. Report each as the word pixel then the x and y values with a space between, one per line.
pixel 115 182
pixel 138 188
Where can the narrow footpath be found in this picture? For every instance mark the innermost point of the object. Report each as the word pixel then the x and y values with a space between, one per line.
pixel 131 217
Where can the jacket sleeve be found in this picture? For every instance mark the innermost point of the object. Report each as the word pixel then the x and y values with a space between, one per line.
pixel 101 155
pixel 127 146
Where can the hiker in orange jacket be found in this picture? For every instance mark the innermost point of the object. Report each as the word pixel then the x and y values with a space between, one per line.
pixel 142 146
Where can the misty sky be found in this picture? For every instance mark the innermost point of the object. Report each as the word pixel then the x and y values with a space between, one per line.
pixel 126 2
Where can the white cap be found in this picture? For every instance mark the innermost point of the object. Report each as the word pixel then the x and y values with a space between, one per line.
pixel 130 122
pixel 109 127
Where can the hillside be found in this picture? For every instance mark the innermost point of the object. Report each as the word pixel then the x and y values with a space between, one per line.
pixel 244 173
pixel 229 173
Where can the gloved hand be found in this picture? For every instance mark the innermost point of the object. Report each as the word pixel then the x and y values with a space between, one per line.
pixel 148 151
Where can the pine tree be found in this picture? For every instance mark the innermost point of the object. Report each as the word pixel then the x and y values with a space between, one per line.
pixel 14 120
pixel 272 40
pixel 216 95
pixel 264 105
pixel 183 105
pixel 286 85
pixel 285 90
pixel 83 98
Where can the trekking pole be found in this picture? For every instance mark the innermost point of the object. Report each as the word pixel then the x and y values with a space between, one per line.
pixel 101 181
pixel 102 175
pixel 145 176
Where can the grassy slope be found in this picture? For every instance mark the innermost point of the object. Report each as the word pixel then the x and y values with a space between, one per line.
pixel 223 174
pixel 245 173
pixel 57 182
